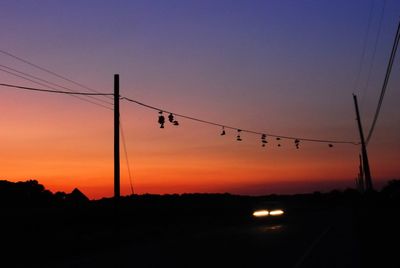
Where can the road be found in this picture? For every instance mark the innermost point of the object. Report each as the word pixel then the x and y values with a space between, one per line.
pixel 205 231
pixel 314 239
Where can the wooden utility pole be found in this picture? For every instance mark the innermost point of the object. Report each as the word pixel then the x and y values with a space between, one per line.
pixel 116 139
pixel 365 163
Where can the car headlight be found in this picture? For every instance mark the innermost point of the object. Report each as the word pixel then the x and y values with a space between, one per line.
pixel 264 213
pixel 276 212
pixel 261 213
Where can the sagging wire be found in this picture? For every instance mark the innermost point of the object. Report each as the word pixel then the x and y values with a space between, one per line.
pixel 161 121
pixel 171 118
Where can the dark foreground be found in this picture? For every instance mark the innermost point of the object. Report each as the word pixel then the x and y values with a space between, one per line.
pixel 338 229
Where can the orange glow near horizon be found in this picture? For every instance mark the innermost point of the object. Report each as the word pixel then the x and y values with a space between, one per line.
pixel 239 65
pixel 76 151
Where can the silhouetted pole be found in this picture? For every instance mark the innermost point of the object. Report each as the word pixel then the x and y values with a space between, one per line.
pixel 116 139
pixel 365 162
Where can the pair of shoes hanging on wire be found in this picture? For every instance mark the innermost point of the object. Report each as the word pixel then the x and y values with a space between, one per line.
pixel 171 119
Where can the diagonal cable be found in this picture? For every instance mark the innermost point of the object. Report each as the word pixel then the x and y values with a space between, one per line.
pixel 385 83
pixel 236 128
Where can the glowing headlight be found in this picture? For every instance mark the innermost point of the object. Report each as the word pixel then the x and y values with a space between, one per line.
pixel 276 212
pixel 260 213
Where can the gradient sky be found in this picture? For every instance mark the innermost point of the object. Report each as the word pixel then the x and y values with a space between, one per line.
pixel 283 67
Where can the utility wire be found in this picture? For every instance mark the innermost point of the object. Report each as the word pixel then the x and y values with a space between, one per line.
pixel 224 126
pixel 47 70
pixel 57 91
pixel 126 156
pixel 385 82
pixel 72 95
pixel 356 82
pixel 373 55
pixel 238 129
pixel 48 82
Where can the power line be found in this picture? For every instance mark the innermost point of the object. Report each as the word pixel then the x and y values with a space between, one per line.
pixel 385 82
pixel 56 91
pixel 356 82
pixel 75 96
pixel 126 155
pixel 47 70
pixel 373 54
pixel 224 126
pixel 45 81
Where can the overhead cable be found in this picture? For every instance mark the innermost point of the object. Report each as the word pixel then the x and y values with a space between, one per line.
pixel 364 48
pixel 38 83
pixel 57 91
pixel 385 83
pixel 371 64
pixel 126 156
pixel 224 126
pixel 45 81
pixel 46 70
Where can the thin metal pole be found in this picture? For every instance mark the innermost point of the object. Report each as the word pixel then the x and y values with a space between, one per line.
pixel 116 139
pixel 367 172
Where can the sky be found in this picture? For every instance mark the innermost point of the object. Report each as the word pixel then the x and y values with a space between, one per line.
pixel 279 67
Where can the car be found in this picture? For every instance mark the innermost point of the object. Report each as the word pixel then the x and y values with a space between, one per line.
pixel 268 210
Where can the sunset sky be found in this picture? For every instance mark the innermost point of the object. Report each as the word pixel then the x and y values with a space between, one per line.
pixel 282 67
